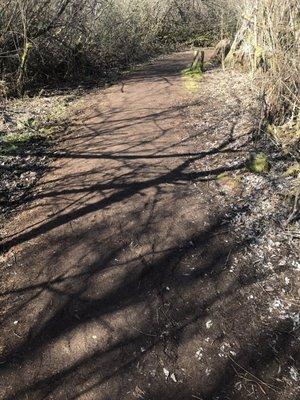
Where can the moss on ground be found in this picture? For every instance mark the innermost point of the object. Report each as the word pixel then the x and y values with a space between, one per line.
pixel 195 73
pixel 259 163
pixel 228 181
pixel 191 78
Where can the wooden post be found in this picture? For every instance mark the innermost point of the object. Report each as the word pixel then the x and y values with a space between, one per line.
pixel 198 61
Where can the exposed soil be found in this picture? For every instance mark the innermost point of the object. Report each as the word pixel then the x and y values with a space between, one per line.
pixel 150 264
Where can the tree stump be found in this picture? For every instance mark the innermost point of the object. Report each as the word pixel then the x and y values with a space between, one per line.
pixel 198 62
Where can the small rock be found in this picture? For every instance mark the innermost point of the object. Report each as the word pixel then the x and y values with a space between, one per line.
pixel 166 373
pixel 209 324
pixel 294 374
pixel 269 289
pixel 199 353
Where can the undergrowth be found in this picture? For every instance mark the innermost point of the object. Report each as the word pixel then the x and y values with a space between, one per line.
pixel 44 42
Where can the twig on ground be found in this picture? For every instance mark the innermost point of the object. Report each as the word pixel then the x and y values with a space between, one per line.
pixel 257 380
pixel 144 333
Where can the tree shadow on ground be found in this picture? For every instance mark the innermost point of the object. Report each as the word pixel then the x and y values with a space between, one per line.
pixel 145 288
pixel 129 282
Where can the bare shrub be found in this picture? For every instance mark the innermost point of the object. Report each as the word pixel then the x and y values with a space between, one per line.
pixel 269 42
pixel 45 40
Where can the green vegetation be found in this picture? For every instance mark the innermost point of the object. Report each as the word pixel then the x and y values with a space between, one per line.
pixel 259 163
pixel 191 79
pixel 228 181
pixel 31 133
pixel 194 73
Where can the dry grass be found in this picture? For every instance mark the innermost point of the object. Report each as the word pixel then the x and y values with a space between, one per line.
pixel 269 42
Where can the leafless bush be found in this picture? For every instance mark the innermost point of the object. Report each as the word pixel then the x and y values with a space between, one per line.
pixel 269 42
pixel 46 40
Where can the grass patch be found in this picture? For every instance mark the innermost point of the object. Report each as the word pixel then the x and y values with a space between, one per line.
pixel 34 122
pixel 32 133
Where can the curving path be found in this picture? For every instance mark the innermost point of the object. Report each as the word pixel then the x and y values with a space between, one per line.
pixel 117 281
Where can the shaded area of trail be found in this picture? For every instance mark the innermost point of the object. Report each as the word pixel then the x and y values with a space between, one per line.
pixel 119 277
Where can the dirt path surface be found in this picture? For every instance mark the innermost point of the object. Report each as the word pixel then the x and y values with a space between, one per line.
pixel 119 283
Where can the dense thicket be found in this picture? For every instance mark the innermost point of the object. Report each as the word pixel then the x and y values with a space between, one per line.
pixel 268 42
pixel 42 40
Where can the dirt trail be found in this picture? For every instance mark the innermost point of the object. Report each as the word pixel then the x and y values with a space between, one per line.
pixel 117 282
